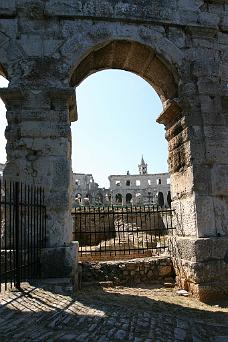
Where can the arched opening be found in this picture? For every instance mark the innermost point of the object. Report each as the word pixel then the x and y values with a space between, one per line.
pixel 3 122
pixel 160 199
pixel 119 199
pixel 78 198
pixel 130 56
pixel 128 198
pixel 169 199
pixel 141 61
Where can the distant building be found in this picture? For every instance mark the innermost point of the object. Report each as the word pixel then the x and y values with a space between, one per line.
pixel 85 190
pixel 2 166
pixel 140 189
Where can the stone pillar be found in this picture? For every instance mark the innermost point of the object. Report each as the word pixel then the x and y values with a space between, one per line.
pixel 200 245
pixel 39 153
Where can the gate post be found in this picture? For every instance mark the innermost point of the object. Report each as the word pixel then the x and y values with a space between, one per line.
pixel 39 153
pixel 199 196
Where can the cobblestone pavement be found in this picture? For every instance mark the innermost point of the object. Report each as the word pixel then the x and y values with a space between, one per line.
pixel 109 314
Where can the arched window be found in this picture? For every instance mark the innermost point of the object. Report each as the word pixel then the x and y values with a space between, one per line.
pixel 119 198
pixel 160 199
pixel 128 183
pixel 169 200
pixel 159 181
pixel 78 198
pixel 128 198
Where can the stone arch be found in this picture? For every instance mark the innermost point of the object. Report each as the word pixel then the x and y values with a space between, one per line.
pixel 130 56
pixel 3 71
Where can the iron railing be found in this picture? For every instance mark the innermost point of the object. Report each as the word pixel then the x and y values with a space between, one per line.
pixel 120 232
pixel 23 232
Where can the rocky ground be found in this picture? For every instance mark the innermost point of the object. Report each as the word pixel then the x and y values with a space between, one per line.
pixel 110 314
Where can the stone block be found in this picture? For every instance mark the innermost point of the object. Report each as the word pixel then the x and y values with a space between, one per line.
pixel 202 179
pixel 216 140
pixel 8 8
pixel 205 216
pixel 56 220
pixel 8 27
pixel 201 250
pixel 32 45
pixel 60 262
pixel 224 24
pixel 222 38
pixel 184 218
pixel 177 36
pixel 180 157
pixel 219 173
pixel 112 9
pixel 165 271
pixel 221 215
pixel 182 183
pixel 209 292
pixel 60 167
pixel 209 19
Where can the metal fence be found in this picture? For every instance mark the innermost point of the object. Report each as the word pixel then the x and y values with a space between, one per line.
pixel 121 232
pixel 23 231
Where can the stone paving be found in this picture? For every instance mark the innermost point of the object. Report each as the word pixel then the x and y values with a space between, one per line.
pixel 109 314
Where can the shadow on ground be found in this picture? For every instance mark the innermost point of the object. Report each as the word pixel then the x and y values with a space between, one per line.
pixel 109 314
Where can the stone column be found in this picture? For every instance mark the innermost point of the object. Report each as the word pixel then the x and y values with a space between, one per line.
pixel 200 245
pixel 39 153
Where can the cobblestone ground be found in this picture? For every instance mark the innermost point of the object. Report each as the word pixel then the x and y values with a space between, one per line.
pixel 109 314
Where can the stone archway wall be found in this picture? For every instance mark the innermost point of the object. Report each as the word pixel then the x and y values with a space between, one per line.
pixel 180 47
pixel 131 56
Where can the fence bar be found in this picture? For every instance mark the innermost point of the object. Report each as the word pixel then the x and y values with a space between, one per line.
pixel 17 236
pixel 22 232
pixel 105 232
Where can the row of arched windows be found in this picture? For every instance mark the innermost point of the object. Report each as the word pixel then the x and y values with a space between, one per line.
pixel 159 198
pixel 138 182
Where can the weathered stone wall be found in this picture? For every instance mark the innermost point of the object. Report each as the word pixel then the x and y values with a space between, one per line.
pixel 179 46
pixel 129 272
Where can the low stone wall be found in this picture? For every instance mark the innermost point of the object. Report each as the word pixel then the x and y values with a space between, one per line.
pixel 129 272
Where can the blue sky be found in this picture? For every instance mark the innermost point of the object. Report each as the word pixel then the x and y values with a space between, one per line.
pixel 117 113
